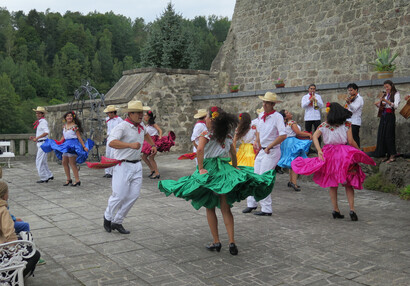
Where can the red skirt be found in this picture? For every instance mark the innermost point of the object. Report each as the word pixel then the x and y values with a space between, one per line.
pixel 163 145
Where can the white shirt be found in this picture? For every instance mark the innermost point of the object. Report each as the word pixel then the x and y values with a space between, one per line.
pixel 288 128
pixel 70 133
pixel 250 136
pixel 42 128
pixel 396 101
pixel 152 131
pixel 127 132
pixel 270 129
pixel 356 107
pixel 198 129
pixel 334 135
pixel 111 123
pixel 310 113
pixel 214 149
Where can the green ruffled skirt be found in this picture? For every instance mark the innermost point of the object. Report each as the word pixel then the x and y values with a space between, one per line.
pixel 221 179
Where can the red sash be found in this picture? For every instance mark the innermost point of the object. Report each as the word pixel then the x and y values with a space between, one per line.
pixel 267 114
pixel 36 123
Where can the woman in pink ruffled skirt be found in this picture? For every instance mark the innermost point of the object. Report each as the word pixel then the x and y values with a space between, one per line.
pixel 337 163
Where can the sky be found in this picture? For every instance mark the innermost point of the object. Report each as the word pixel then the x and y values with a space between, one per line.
pixel 148 10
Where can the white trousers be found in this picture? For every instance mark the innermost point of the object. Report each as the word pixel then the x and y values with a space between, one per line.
pixel 263 163
pixel 41 163
pixel 109 152
pixel 126 186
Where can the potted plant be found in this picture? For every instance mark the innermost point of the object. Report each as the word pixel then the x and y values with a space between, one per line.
pixel 279 82
pixel 383 64
pixel 233 87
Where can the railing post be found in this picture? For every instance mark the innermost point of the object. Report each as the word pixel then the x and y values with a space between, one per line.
pixel 22 144
pixel 12 146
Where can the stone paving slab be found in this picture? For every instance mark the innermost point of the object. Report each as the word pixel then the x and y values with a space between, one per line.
pixel 301 244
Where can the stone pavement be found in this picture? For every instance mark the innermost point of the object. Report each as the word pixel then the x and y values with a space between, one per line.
pixel 301 244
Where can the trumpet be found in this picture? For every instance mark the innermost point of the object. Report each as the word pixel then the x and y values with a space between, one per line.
pixel 314 103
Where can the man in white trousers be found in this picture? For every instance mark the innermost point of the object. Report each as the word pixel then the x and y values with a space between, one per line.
pixel 126 139
pixel 42 131
pixel 270 132
pixel 112 120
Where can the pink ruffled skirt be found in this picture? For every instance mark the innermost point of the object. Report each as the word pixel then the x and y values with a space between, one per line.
pixel 341 166
pixel 163 145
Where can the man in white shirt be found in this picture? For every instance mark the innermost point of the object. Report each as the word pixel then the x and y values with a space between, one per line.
pixel 42 131
pixel 312 103
pixel 112 120
pixel 270 133
pixel 126 139
pixel 354 103
pixel 200 126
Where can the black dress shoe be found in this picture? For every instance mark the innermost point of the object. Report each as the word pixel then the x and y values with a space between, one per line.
pixel 42 181
pixel 108 176
pixel 105 176
pixel 152 173
pixel 69 182
pixel 214 246
pixel 262 213
pixel 107 225
pixel 119 227
pixel 233 249
pixel 279 170
pixel 155 177
pixel 336 215
pixel 248 210
pixel 353 216
pixel 51 178
pixel 293 186
pixel 76 184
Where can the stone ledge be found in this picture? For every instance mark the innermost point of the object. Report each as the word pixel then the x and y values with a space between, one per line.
pixel 169 71
pixel 285 90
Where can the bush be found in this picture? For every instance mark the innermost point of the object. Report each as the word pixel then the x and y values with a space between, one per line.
pixel 405 193
pixel 378 183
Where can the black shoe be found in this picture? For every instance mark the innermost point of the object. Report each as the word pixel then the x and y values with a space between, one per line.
pixel 51 178
pixel 69 182
pixel 293 186
pixel 108 176
pixel 214 246
pixel 105 176
pixel 155 177
pixel 233 249
pixel 336 215
pixel 261 213
pixel 353 216
pixel 248 210
pixel 119 227
pixel 152 173
pixel 76 184
pixel 279 170
pixel 107 225
pixel 42 181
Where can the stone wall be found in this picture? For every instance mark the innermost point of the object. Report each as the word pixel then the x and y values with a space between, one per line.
pixel 321 41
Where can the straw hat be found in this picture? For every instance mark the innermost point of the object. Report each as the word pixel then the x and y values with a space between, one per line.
pixel 40 109
pixel 201 113
pixel 136 106
pixel 110 108
pixel 270 96
pixel 260 110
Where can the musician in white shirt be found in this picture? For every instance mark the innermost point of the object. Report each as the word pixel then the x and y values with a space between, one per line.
pixel 354 103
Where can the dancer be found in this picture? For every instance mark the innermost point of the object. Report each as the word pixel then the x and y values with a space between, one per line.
pixel 246 135
pixel 270 133
pixel 42 131
pixel 337 162
pixel 386 134
pixel 126 139
pixel 71 149
pixel 215 183
pixel 200 126
pixel 163 144
pixel 293 147
pixel 112 120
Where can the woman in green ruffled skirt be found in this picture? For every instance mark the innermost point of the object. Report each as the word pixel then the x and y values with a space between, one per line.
pixel 216 183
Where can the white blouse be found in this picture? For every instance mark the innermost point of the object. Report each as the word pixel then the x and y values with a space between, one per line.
pixel 250 136
pixel 334 135
pixel 288 128
pixel 215 149
pixel 70 133
pixel 151 130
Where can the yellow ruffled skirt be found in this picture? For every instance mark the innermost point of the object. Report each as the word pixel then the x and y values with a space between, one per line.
pixel 246 155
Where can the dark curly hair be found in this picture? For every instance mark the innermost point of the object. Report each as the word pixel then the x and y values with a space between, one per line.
pixel 75 119
pixel 282 112
pixel 393 89
pixel 223 124
pixel 244 125
pixel 151 120
pixel 337 114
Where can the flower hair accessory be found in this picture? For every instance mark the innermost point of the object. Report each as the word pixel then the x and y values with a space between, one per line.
pixel 214 112
pixel 240 116
pixel 149 112
pixel 73 113
pixel 327 107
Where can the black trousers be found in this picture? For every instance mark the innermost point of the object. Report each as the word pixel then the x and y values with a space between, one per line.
pixel 309 127
pixel 31 264
pixel 356 131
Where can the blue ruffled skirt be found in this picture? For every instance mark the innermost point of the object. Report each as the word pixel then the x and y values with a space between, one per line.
pixel 72 146
pixel 292 148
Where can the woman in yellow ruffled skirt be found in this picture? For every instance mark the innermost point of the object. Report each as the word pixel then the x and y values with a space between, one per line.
pixel 245 134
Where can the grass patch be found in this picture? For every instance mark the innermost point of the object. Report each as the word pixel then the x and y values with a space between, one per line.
pixel 405 193
pixel 378 183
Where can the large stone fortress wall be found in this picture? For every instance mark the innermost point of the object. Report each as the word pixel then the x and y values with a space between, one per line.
pixel 305 41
